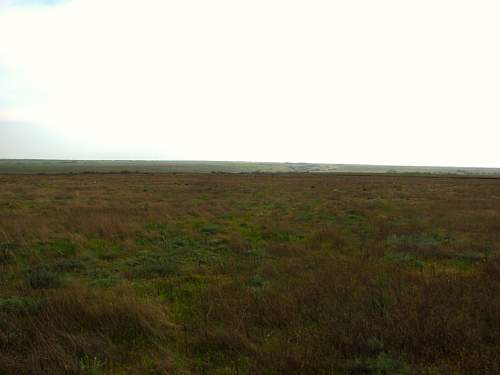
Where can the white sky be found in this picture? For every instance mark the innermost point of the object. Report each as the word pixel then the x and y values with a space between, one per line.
pixel 362 81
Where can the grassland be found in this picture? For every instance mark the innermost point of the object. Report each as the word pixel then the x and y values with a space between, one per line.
pixel 157 166
pixel 249 274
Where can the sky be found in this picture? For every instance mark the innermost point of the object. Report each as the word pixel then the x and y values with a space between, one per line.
pixel 394 82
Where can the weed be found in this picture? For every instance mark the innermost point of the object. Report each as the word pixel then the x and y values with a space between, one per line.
pixel 92 366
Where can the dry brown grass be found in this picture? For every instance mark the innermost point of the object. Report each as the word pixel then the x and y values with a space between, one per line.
pixel 65 328
pixel 261 274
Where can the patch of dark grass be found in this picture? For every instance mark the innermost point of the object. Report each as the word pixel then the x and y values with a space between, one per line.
pixel 257 282
pixel 403 259
pixel 339 310
pixel 103 278
pixel 7 252
pixel 381 364
pixel 103 249
pixel 471 256
pixel 210 229
pixel 150 265
pixel 57 246
pixel 418 240
pixel 42 276
pixel 18 305
pixel 67 265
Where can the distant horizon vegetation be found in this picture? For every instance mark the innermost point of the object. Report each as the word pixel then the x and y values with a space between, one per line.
pixel 221 166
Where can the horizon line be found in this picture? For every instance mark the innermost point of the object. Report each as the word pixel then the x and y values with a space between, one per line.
pixel 248 161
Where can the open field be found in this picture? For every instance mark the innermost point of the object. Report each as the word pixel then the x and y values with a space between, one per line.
pixel 157 166
pixel 249 274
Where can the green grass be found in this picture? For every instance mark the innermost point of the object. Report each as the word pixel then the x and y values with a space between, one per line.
pixel 249 273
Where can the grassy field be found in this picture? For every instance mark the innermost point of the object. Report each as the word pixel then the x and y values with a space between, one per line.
pixel 249 274
pixel 157 166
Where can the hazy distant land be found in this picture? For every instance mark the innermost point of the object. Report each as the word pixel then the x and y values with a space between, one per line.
pixel 153 166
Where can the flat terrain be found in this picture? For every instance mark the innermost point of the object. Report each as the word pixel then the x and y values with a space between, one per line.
pixel 249 274
pixel 158 166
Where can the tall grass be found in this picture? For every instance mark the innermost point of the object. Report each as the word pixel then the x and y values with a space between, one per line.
pixel 64 328
pixel 249 274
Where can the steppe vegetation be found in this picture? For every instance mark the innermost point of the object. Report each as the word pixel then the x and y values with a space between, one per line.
pixel 249 274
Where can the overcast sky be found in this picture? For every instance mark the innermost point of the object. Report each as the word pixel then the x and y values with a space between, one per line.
pixel 362 81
